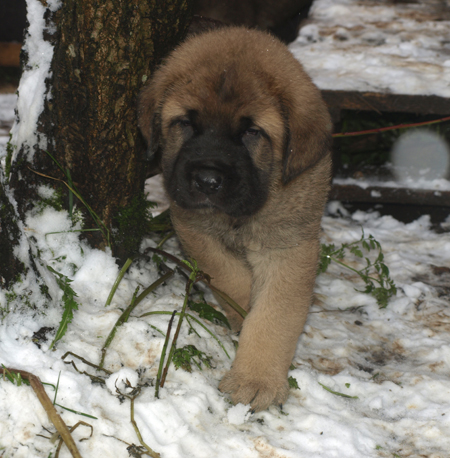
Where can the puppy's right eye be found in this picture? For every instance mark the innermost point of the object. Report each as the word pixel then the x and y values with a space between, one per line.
pixel 252 131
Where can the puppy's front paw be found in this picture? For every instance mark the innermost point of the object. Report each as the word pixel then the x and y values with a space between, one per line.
pixel 258 390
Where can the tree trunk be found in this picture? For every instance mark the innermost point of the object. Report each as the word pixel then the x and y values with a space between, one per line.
pixel 103 53
pixel 10 265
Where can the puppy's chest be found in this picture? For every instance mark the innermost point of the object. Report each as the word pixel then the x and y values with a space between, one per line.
pixel 238 237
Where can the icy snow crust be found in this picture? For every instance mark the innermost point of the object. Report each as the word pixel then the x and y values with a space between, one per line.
pixel 395 360
pixel 382 46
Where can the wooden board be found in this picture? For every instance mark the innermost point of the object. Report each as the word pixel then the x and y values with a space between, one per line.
pixel 10 54
pixel 378 102
pixel 379 194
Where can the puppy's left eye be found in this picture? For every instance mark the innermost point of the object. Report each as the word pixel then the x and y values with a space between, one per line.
pixel 185 122
pixel 182 122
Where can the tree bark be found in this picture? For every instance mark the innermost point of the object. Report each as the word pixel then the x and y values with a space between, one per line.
pixel 10 265
pixel 103 54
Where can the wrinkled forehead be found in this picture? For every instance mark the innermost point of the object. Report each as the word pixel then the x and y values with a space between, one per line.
pixel 226 96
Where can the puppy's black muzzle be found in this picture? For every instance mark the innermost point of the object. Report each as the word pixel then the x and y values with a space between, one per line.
pixel 215 171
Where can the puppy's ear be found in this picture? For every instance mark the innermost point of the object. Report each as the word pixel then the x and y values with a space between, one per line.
pixel 308 137
pixel 149 114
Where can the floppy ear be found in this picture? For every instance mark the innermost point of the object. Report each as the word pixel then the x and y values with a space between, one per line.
pixel 308 137
pixel 149 114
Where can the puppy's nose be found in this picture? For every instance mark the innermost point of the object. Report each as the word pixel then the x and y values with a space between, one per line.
pixel 208 181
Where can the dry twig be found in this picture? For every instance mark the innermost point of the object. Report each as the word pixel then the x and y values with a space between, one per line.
pixel 53 416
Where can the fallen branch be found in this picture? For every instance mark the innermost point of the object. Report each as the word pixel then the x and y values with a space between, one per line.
pixel 72 429
pixel 53 416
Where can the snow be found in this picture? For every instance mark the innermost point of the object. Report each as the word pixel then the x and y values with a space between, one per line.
pixel 383 46
pixel 408 180
pixel 238 414
pixel 32 88
pixel 394 360
pixel 407 155
pixel 7 104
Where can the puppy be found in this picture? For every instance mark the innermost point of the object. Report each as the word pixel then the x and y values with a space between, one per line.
pixel 244 140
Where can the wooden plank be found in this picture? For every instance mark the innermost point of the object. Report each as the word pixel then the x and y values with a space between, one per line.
pixel 380 195
pixel 371 101
pixel 10 54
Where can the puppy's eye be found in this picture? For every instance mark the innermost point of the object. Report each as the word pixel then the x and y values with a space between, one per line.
pixel 185 122
pixel 182 122
pixel 252 131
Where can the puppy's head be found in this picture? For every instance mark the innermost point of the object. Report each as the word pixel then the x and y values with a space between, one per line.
pixel 233 115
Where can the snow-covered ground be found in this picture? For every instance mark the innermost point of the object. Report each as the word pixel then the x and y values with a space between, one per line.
pixel 379 46
pixel 395 361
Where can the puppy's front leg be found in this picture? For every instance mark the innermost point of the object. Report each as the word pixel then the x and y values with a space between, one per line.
pixel 283 282
pixel 228 273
